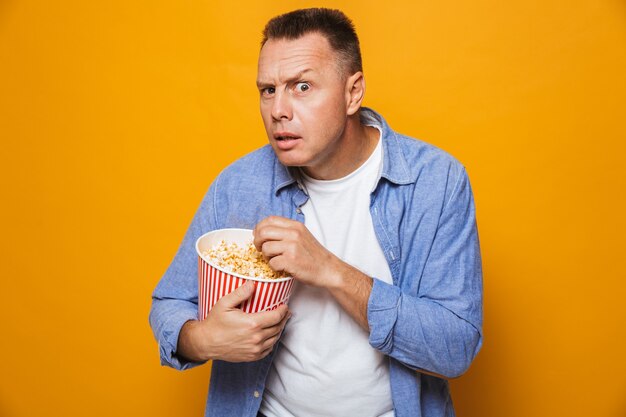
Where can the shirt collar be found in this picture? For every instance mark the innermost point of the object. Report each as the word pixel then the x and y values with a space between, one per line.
pixel 395 167
pixel 283 176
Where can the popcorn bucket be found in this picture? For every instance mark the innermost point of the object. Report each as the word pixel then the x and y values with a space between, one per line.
pixel 215 282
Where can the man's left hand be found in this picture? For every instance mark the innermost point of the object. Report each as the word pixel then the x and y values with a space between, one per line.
pixel 291 248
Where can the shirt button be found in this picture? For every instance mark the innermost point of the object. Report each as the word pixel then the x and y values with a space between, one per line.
pixel 256 394
pixel 299 210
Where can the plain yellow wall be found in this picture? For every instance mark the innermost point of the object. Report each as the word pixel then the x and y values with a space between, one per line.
pixel 115 117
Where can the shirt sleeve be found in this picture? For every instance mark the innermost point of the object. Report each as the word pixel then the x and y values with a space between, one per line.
pixel 175 299
pixel 440 329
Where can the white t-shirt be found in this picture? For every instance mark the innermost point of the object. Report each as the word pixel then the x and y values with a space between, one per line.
pixel 325 365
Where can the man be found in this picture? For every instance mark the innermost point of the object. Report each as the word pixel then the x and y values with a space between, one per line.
pixel 378 230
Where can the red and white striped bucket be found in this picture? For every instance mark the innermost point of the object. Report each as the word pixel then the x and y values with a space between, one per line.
pixel 214 282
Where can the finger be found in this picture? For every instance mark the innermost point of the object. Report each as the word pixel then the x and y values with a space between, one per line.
pixel 291 231
pixel 265 233
pixel 273 337
pixel 268 222
pixel 266 352
pixel 268 319
pixel 279 221
pixel 273 248
pixel 238 296
pixel 272 331
pixel 258 236
pixel 270 341
pixel 255 235
pixel 278 329
pixel 279 263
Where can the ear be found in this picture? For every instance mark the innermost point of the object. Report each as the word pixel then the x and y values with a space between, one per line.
pixel 355 91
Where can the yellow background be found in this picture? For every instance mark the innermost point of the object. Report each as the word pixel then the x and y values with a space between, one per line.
pixel 115 116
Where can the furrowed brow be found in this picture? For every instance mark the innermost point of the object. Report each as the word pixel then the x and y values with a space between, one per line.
pixel 265 84
pixel 298 76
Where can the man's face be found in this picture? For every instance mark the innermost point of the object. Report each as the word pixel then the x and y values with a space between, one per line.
pixel 303 101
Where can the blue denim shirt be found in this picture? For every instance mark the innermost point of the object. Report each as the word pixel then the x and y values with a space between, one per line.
pixel 429 319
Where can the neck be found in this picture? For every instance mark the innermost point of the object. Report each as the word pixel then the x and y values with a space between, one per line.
pixel 356 145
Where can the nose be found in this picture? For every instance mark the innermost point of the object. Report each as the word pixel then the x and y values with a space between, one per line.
pixel 281 106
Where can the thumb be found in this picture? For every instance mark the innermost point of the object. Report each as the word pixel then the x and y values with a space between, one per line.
pixel 238 296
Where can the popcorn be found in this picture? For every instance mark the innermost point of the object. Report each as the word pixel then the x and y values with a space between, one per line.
pixel 246 261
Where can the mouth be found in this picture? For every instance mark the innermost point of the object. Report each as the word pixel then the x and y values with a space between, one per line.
pixel 286 141
pixel 285 136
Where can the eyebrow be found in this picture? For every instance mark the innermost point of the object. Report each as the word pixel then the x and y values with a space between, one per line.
pixel 298 76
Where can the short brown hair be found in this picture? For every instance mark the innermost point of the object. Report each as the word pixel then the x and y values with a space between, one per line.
pixel 334 25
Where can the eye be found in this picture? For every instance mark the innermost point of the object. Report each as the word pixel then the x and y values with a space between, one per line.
pixel 268 91
pixel 302 87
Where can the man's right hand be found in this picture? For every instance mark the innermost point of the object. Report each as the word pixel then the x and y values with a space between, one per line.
pixel 231 335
